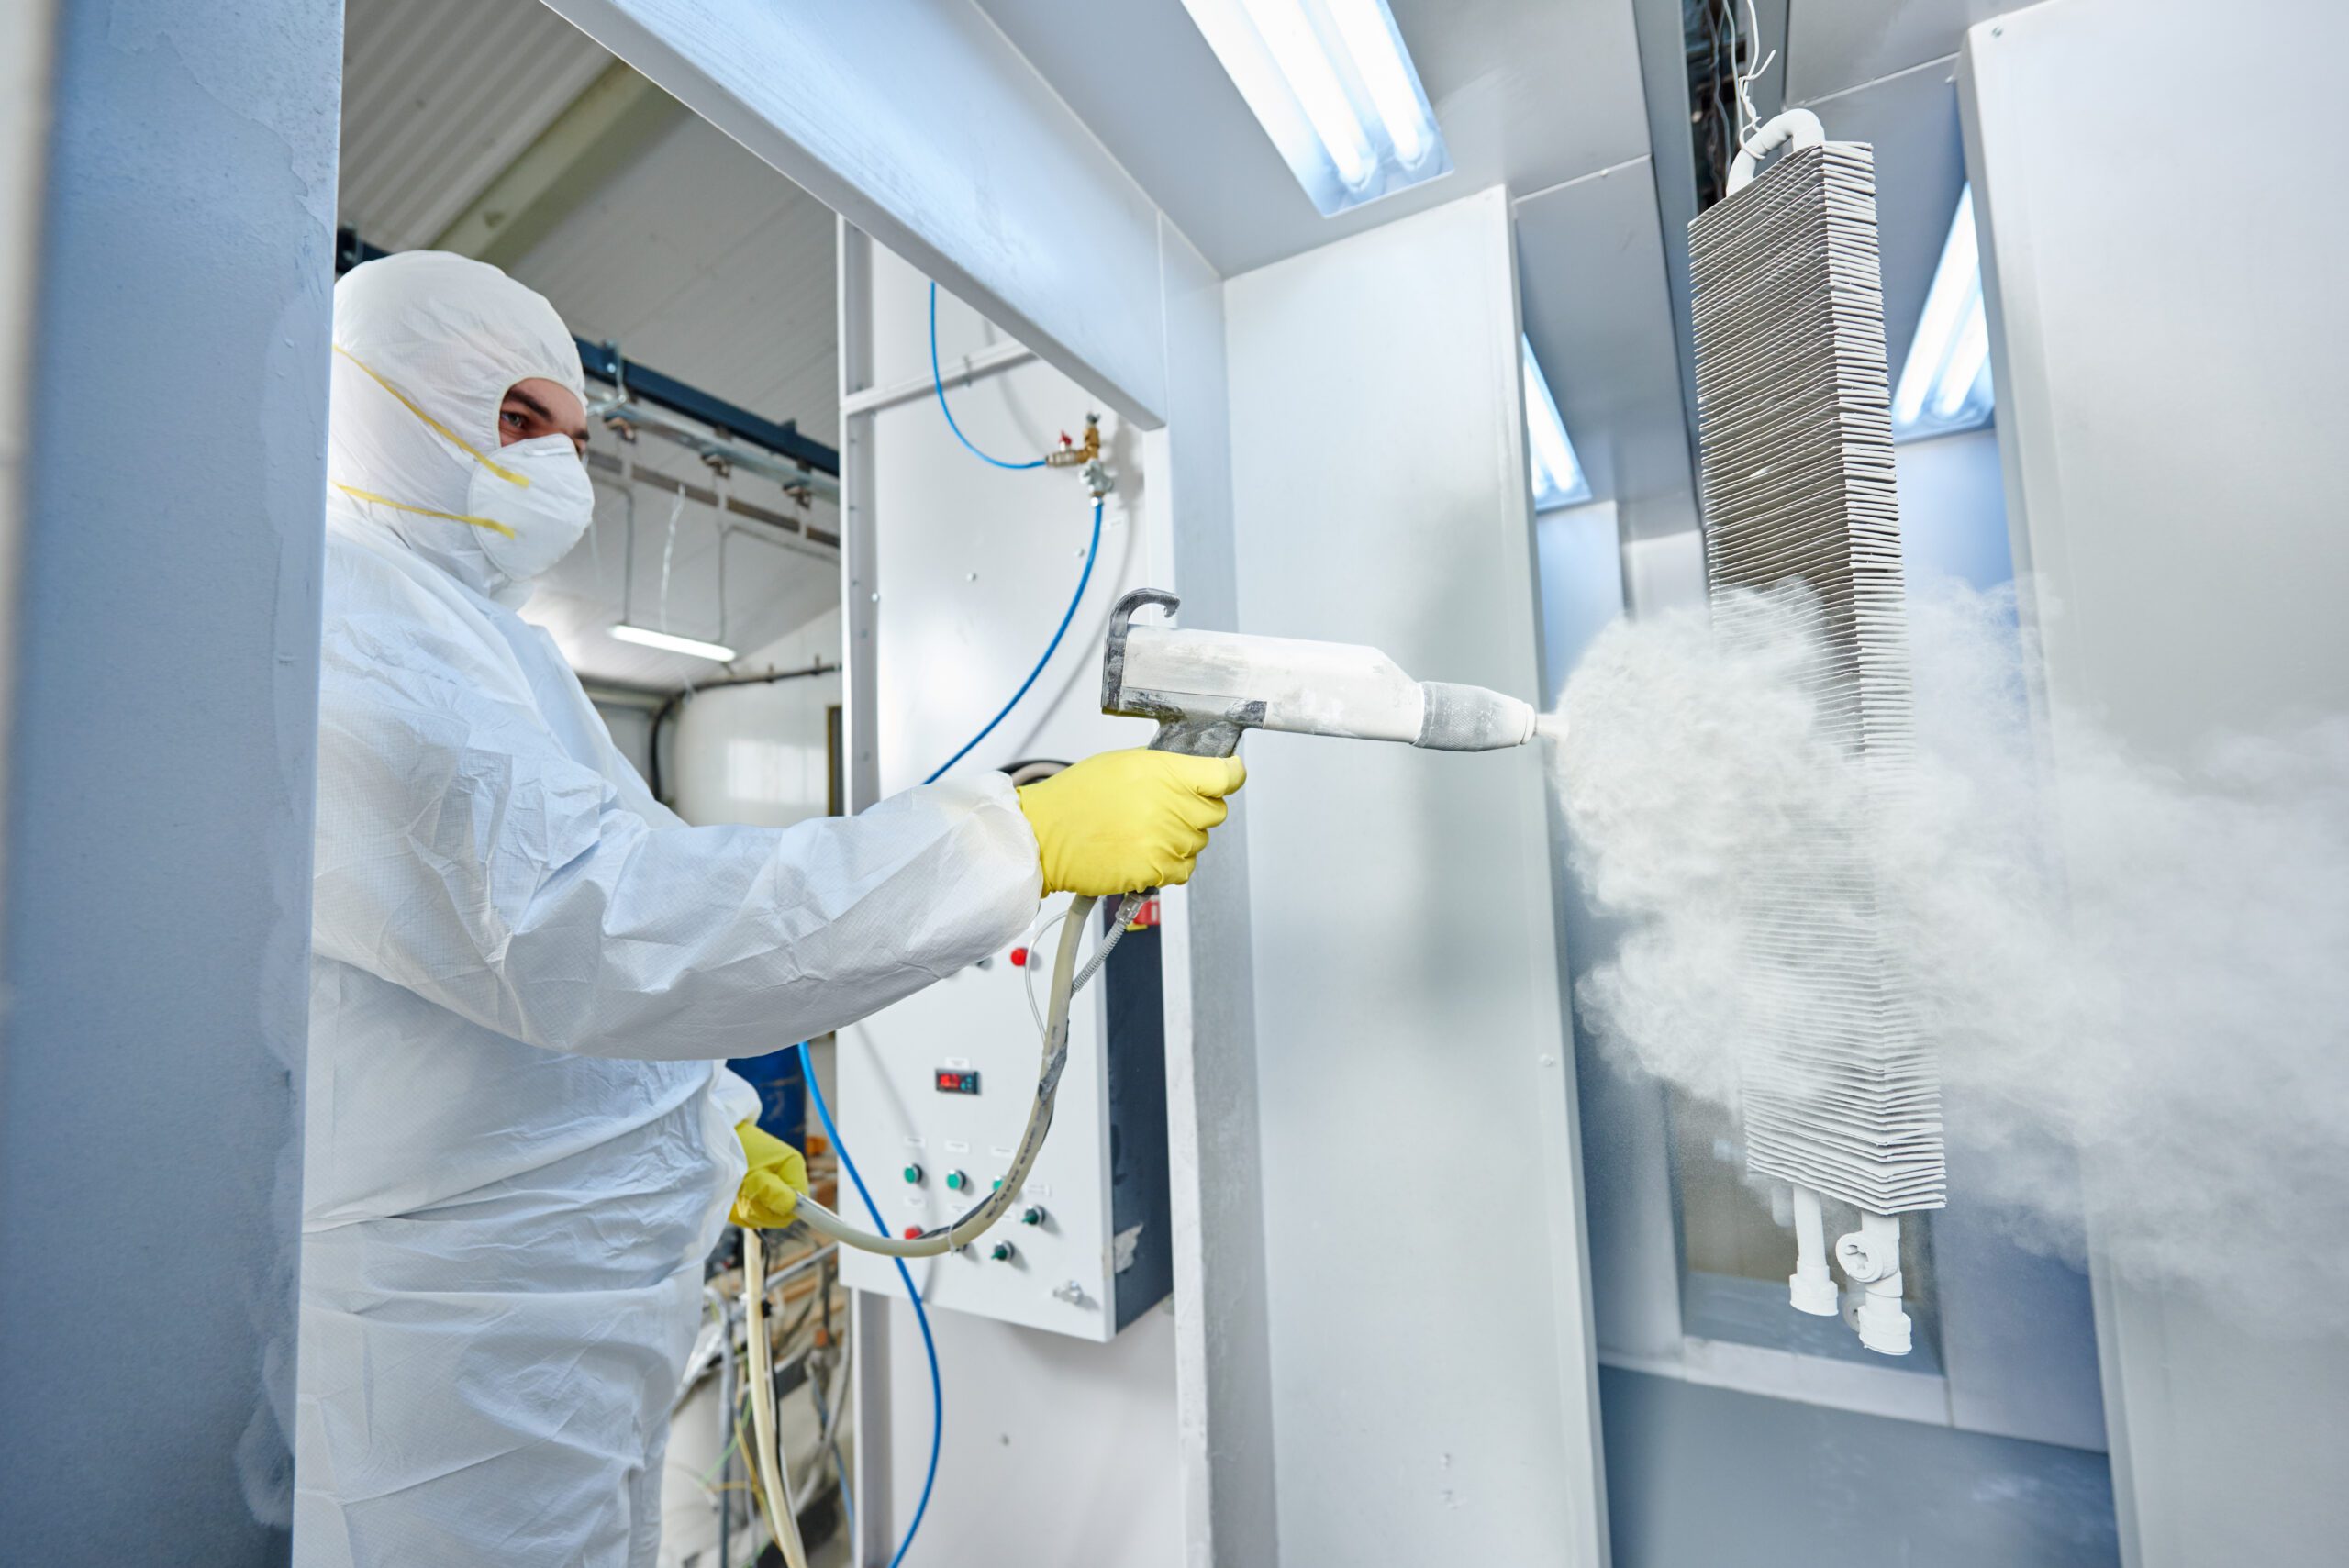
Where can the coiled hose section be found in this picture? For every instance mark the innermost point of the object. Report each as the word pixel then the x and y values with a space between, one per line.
pixel 971 1226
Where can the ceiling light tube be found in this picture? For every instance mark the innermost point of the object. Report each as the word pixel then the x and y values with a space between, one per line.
pixel 1557 476
pixel 1333 86
pixel 1305 65
pixel 670 642
pixel 1966 358
pixel 1943 383
pixel 1378 54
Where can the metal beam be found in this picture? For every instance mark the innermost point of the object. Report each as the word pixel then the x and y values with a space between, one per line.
pixel 1661 28
pixel 925 128
pixel 601 361
pixel 964 371
pixel 162 775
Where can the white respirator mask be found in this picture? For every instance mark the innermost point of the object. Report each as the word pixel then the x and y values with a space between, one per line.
pixel 537 520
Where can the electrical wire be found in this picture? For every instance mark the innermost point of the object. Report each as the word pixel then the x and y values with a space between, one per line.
pixel 1027 970
pixel 668 553
pixel 1752 121
pixel 922 1313
pixel 939 381
pixel 1126 909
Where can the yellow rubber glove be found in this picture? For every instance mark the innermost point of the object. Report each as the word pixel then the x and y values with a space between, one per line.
pixel 769 1195
pixel 1126 820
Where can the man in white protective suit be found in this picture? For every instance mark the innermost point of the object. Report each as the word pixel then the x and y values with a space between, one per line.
pixel 525 974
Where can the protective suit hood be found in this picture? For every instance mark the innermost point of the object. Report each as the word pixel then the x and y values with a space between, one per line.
pixel 427 344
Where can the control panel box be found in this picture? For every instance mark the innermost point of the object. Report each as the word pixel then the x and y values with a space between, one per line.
pixel 934 1093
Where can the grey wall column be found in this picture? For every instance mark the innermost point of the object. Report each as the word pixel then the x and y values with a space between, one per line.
pixel 165 641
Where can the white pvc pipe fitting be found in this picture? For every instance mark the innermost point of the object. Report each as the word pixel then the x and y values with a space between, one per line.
pixel 1871 1258
pixel 1810 1287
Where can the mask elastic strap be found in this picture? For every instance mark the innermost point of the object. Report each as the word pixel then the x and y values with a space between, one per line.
pixel 490 523
pixel 445 433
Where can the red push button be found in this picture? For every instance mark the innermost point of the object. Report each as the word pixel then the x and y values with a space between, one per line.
pixel 913 1232
pixel 1019 957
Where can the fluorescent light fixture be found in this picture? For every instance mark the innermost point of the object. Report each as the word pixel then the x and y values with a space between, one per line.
pixel 1946 386
pixel 1333 86
pixel 670 642
pixel 1558 478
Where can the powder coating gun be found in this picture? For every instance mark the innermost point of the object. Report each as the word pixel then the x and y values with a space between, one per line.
pixel 1207 688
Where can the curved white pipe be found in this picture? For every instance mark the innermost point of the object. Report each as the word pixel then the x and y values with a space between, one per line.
pixel 1793 131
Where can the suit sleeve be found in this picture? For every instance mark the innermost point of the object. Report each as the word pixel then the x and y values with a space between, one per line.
pixel 463 856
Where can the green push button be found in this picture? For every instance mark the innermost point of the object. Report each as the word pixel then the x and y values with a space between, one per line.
pixel 913 1172
pixel 956 1181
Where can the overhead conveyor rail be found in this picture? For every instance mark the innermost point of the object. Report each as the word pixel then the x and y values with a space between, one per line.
pixel 603 362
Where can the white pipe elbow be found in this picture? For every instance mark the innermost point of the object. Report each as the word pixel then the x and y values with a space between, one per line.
pixel 1795 129
pixel 1870 1257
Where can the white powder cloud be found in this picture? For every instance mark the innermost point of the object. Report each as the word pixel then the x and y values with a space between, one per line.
pixel 2135 976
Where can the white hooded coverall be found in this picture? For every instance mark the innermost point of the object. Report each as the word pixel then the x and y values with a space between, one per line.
pixel 525 973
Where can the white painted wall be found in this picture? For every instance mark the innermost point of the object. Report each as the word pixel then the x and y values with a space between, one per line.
pixel 1058 1450
pixel 1665 572
pixel 981 562
pixel 632 730
pixel 1953 511
pixel 2167 337
pixel 758 755
pixel 1433 1393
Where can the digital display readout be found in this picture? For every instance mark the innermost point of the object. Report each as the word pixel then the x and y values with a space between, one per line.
pixel 958 1081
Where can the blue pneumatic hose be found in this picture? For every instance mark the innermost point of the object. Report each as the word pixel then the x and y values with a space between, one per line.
pixel 921 1314
pixel 807 1069
pixel 1092 554
pixel 939 381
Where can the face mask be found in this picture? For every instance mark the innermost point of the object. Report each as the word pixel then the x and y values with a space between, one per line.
pixel 547 516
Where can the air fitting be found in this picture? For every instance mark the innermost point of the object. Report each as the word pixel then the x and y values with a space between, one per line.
pixel 1084 455
pixel 1074 453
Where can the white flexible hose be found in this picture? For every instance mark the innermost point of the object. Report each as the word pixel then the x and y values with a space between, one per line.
pixel 976 1223
pixel 1795 129
pixel 776 1485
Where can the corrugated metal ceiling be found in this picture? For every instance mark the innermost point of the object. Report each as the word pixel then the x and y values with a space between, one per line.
pixel 698 255
pixel 439 96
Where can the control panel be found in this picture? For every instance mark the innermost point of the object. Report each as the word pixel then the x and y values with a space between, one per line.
pixel 934 1093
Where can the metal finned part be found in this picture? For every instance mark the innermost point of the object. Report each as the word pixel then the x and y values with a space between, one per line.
pixel 1802 535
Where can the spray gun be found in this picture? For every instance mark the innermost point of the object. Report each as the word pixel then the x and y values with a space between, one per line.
pixel 1207 688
